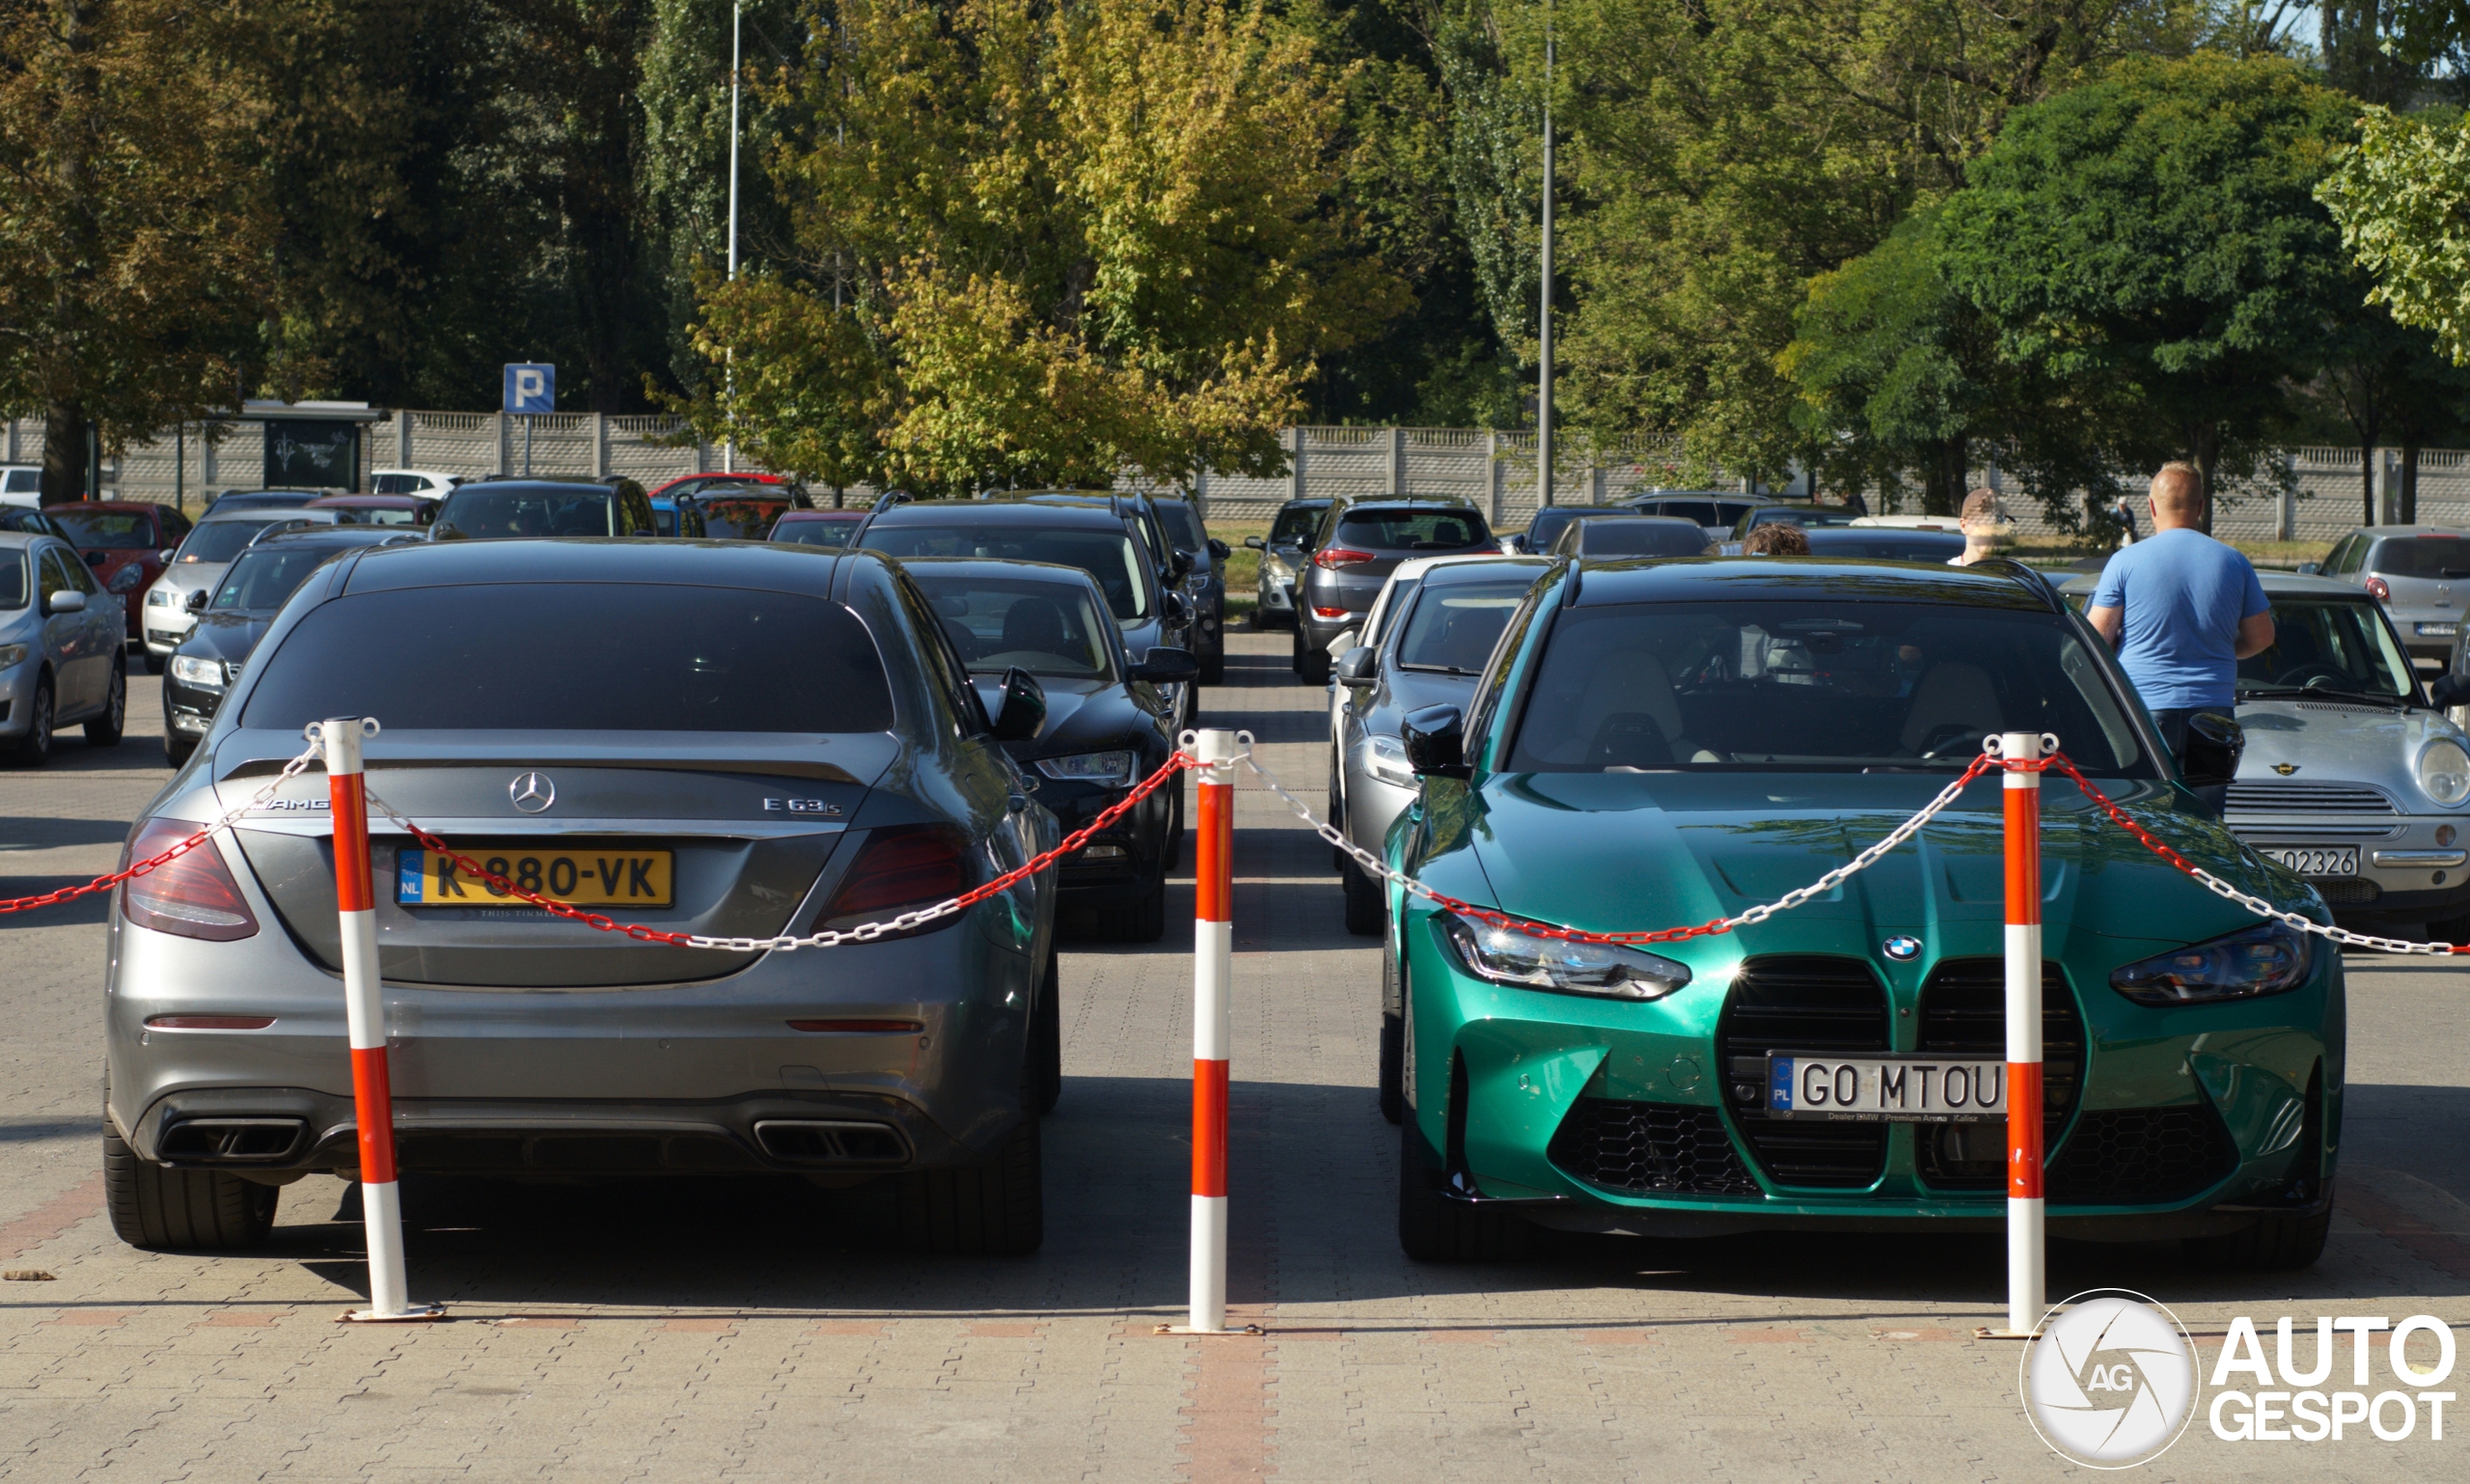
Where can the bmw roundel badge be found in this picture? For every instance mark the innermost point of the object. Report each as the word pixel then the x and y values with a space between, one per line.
pixel 1902 948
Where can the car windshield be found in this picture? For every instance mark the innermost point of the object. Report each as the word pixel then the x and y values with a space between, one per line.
pixel 1813 687
pixel 522 513
pixel 814 533
pixel 1046 627
pixel 2328 643
pixel 374 515
pixel 2423 556
pixel 262 578
pixel 1108 556
pixel 1392 602
pixel 1874 544
pixel 1641 537
pixel 1427 530
pixel 13 579
pixel 397 484
pixel 1294 525
pixel 1546 527
pixel 1183 525
pixel 738 517
pixel 1452 628
pixel 112 530
pixel 265 500
pixel 663 658
pixel 219 541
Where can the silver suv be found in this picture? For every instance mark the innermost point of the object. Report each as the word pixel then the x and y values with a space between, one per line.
pixel 2420 573
pixel 724 739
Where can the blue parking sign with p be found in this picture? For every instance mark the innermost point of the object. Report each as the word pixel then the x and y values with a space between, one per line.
pixel 531 388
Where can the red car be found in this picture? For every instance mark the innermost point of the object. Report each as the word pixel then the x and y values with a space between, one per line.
pixel 697 483
pixel 817 528
pixel 124 541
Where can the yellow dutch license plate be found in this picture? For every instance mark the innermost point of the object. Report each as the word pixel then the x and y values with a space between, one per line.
pixel 614 877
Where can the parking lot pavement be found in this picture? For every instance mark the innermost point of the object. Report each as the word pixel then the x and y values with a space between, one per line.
pixel 604 1332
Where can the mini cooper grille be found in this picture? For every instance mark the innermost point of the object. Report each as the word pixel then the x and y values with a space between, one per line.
pixel 1811 1003
pixel 2345 891
pixel 2140 1156
pixel 1963 1012
pixel 1664 1147
pixel 2290 796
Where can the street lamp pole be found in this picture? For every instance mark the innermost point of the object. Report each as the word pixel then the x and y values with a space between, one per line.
pixel 737 18
pixel 1544 376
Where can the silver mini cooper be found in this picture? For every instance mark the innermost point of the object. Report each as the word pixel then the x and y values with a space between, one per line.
pixel 731 739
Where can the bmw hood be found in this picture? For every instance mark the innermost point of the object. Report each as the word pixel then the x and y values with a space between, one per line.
pixel 2340 742
pixel 1620 852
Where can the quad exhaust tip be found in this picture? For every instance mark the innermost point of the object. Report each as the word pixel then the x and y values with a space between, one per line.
pixel 831 1141
pixel 232 1140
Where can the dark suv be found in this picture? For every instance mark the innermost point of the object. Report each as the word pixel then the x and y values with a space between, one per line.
pixel 1207 583
pixel 1359 543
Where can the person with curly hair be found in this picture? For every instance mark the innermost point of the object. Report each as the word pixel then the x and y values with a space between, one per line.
pixel 1778 539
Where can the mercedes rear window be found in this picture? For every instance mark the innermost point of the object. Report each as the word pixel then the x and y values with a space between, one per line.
pixel 1411 530
pixel 578 657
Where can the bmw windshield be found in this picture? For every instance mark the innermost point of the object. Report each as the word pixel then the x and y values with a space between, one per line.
pixel 1811 687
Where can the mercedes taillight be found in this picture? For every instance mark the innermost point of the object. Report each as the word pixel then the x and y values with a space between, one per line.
pixel 192 895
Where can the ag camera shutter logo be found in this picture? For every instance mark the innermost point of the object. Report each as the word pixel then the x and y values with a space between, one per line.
pixel 2110 1383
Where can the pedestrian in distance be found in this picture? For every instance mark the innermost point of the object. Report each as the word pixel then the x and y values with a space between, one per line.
pixel 2125 516
pixel 2183 609
pixel 1780 538
pixel 1983 523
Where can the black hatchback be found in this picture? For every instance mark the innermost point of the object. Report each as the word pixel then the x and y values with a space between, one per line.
pixel 1358 544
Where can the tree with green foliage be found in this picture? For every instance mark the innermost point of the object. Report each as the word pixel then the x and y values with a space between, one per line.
pixel 1072 241
pixel 2157 228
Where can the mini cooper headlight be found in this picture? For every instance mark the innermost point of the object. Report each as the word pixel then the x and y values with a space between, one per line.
pixel 194 670
pixel 1111 769
pixel 2270 958
pixel 1384 757
pixel 2444 771
pixel 1505 955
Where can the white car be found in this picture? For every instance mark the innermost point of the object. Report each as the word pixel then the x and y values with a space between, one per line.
pixel 427 483
pixel 21 484
pixel 192 569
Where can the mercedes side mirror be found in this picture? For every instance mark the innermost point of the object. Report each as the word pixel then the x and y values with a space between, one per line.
pixel 1256 543
pixel 1435 741
pixel 1020 709
pixel 1358 666
pixel 1166 665
pixel 65 600
pixel 2210 759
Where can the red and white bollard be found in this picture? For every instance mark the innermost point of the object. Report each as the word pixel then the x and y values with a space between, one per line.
pixel 381 1206
pixel 2025 1281
pixel 1213 975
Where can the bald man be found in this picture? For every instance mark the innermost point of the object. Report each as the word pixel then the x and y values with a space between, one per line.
pixel 2181 609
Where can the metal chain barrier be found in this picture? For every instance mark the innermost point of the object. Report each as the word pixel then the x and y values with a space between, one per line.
pixel 863 933
pixel 257 801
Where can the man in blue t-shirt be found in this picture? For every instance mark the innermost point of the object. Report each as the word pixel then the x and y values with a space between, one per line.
pixel 2182 609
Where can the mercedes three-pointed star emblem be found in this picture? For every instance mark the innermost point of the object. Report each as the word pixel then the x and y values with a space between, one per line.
pixel 532 792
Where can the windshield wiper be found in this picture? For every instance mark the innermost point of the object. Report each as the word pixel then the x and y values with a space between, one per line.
pixel 2325 693
pixel 1438 670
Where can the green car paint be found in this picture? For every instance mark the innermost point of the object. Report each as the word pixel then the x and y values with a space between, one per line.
pixel 1494 1072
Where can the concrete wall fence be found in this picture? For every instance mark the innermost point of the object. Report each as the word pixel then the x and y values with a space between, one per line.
pixel 2317 500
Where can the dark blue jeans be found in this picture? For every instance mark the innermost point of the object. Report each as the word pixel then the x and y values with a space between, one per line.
pixel 2173 722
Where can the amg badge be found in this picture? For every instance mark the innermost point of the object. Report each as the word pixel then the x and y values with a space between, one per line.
pixel 801 806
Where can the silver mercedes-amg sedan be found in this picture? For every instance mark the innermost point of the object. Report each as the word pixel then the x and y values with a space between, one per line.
pixel 722 738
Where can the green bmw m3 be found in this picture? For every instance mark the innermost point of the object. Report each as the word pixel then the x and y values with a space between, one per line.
pixel 1661 744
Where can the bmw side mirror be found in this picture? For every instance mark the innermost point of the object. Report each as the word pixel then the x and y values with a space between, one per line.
pixel 1256 543
pixel 1165 666
pixel 2210 754
pixel 1020 713
pixel 1358 666
pixel 1435 741
pixel 67 600
pixel 2310 569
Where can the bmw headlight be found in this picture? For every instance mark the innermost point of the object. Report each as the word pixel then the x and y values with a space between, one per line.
pixel 1384 757
pixel 127 578
pixel 159 597
pixel 1111 769
pixel 1505 955
pixel 2444 771
pixel 194 670
pixel 2271 958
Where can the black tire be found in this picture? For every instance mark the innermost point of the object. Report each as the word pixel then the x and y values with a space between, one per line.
pixel 2453 930
pixel 105 731
pixel 33 749
pixel 2269 1243
pixel 996 1208
pixel 183 1210
pixel 157 664
pixel 1213 665
pixel 1434 1230
pixel 1046 1039
pixel 176 748
pixel 1294 651
pixel 1392 1077
pixel 1367 912
pixel 1313 664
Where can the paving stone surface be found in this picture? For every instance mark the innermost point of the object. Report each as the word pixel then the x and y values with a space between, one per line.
pixel 749 1331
